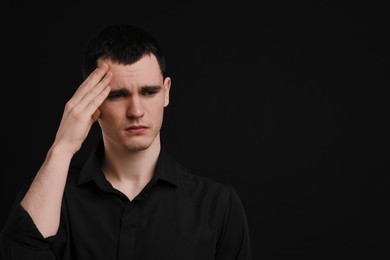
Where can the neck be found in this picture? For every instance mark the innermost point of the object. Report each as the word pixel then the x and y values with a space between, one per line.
pixel 124 166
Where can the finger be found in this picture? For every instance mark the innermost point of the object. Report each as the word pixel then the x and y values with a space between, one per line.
pixel 94 105
pixel 90 82
pixel 94 92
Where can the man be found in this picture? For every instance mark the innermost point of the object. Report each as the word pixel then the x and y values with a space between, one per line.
pixel 131 199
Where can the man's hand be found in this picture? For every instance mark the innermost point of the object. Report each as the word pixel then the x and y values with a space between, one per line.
pixel 44 197
pixel 82 110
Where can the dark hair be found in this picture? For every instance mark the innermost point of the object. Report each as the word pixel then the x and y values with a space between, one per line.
pixel 121 43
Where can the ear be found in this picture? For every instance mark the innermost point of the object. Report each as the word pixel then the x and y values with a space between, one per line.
pixel 167 88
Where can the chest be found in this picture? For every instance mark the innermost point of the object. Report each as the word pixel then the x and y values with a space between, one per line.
pixel 155 227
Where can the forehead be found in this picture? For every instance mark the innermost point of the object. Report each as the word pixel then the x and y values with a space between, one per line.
pixel 145 71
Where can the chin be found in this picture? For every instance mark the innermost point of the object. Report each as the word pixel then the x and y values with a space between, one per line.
pixel 139 143
pixel 136 147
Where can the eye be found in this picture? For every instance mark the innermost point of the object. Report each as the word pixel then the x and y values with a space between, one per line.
pixel 149 92
pixel 115 95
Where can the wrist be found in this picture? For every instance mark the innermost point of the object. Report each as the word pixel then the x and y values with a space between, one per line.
pixel 61 150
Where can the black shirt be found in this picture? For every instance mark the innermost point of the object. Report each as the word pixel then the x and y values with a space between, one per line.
pixel 178 215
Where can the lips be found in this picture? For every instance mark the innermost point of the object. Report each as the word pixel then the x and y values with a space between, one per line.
pixel 136 129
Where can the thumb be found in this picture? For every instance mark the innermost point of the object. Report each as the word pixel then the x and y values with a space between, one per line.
pixel 95 116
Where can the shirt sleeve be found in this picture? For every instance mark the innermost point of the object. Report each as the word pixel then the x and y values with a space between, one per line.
pixel 234 242
pixel 21 239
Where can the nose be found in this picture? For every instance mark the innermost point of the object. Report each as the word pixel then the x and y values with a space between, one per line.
pixel 135 107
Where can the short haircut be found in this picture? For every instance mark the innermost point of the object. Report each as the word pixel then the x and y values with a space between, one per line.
pixel 123 44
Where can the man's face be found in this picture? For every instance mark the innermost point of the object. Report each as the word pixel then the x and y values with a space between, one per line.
pixel 132 115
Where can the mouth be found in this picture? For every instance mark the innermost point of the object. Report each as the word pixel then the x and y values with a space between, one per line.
pixel 136 129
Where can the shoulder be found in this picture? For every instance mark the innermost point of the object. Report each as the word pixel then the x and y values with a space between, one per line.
pixel 190 178
pixel 199 184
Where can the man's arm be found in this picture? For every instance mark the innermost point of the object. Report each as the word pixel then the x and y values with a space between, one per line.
pixel 44 196
pixel 234 243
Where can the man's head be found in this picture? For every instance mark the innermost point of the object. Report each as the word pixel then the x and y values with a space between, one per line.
pixel 131 116
pixel 122 44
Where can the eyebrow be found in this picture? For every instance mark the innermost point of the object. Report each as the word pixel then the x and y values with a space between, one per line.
pixel 143 88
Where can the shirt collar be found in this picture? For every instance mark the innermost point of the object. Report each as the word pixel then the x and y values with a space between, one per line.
pixel 91 170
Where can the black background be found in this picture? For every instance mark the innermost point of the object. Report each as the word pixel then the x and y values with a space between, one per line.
pixel 285 100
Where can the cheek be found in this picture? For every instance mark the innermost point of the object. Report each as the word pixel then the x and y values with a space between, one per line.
pixel 109 121
pixel 158 115
pixel 110 113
